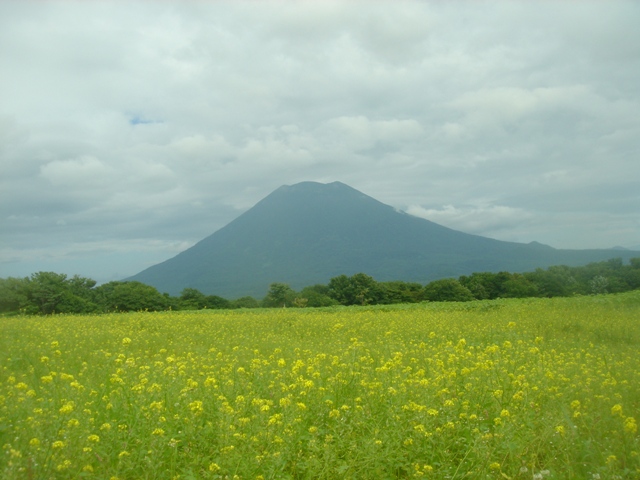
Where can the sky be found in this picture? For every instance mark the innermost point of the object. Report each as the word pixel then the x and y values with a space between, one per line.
pixel 131 130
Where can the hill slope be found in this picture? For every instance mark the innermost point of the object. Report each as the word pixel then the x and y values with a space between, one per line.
pixel 309 232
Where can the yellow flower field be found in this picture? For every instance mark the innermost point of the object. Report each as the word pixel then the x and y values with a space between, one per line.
pixel 519 389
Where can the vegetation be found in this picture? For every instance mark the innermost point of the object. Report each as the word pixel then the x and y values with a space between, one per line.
pixel 48 292
pixel 510 388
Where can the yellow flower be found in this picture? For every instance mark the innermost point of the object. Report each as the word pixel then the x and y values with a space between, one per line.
pixel 196 407
pixel 93 438
pixel 214 467
pixel 63 466
pixel 630 425
pixel 67 407
pixel 34 442
pixel 616 409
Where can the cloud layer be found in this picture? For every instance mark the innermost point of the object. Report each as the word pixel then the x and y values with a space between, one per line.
pixel 129 132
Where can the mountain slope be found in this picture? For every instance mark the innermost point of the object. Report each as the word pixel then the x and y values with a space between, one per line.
pixel 309 232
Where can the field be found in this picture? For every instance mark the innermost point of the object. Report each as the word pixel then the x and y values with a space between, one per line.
pixel 533 389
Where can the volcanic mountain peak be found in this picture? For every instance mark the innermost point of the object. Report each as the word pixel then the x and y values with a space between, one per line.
pixel 309 232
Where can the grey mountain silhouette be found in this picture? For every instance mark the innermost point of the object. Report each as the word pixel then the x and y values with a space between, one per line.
pixel 309 232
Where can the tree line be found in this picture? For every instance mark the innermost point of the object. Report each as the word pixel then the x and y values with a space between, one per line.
pixel 48 292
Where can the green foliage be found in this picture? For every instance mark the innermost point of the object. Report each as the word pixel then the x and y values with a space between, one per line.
pixel 279 295
pixel 400 292
pixel 317 296
pixel 192 299
pixel 519 286
pixel 216 302
pixel 446 290
pixel 359 289
pixel 13 294
pixel 49 292
pixel 244 302
pixel 131 297
pixel 46 291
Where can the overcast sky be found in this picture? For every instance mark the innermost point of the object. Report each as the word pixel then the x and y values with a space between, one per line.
pixel 129 131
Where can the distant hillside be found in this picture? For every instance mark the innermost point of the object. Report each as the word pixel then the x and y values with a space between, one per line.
pixel 307 233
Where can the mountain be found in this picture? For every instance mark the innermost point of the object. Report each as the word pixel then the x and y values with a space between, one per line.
pixel 307 233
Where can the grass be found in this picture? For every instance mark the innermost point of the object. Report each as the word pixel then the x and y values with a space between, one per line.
pixel 516 389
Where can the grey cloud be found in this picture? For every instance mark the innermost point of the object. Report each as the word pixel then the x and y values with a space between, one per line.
pixel 163 121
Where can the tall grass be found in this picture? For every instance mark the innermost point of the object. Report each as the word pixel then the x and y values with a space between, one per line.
pixel 515 389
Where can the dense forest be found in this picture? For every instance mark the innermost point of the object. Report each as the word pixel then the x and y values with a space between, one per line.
pixel 49 293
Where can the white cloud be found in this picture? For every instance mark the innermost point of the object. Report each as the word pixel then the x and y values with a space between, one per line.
pixel 359 132
pixel 82 172
pixel 162 121
pixel 481 220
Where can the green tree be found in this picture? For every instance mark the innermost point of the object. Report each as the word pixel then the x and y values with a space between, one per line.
pixel 486 285
pixel 317 296
pixel 446 290
pixel 279 295
pixel 399 292
pixel 518 286
pixel 49 292
pixel 557 281
pixel 244 302
pixel 192 299
pixel 131 297
pixel 476 285
pixel 216 302
pixel 13 294
pixel 631 274
pixel 45 292
pixel 359 289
